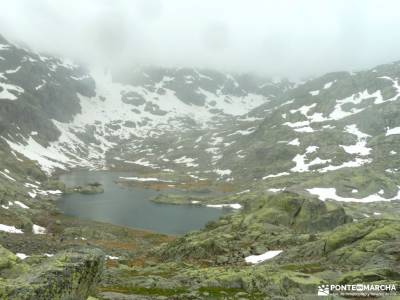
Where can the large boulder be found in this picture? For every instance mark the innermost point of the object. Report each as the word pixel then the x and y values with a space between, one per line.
pixel 307 215
pixel 68 275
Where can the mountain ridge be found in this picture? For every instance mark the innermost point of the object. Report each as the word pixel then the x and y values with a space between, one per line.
pixel 241 132
pixel 309 174
pixel 132 105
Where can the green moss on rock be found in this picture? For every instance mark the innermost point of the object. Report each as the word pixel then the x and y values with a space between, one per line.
pixel 68 275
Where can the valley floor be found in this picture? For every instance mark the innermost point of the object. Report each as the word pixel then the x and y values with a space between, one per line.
pixel 320 242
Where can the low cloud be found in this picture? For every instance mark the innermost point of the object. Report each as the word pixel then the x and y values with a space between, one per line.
pixel 290 38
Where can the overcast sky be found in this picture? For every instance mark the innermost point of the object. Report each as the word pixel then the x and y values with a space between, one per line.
pixel 293 38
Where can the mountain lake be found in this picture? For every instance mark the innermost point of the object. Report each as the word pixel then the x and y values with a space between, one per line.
pixel 131 206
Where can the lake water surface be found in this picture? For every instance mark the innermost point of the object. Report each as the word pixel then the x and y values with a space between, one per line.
pixel 131 206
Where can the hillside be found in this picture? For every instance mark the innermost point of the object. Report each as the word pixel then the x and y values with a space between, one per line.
pixel 308 174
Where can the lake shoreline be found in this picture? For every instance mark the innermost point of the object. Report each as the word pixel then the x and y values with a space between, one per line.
pixel 133 207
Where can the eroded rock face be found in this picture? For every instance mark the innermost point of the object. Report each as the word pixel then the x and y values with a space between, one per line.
pixel 68 275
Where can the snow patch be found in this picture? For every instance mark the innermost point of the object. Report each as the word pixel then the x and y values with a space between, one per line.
pixel 294 142
pixel 273 190
pixel 47 158
pixel 21 256
pixel 188 161
pixel 393 131
pixel 22 205
pixel 112 257
pixel 243 192
pixel 233 205
pixel 276 175
pixel 300 160
pixel 328 85
pixel 244 132
pixel 222 173
pixel 10 229
pixel 330 193
pixel 148 179
pixel 256 259
pixel 7 90
pixel 358 162
pixel 361 146
pixel 7 176
pixel 36 229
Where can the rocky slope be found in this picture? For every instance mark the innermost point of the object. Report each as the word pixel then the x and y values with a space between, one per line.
pixel 280 246
pixel 272 150
pixel 339 131
pixel 63 116
pixel 335 137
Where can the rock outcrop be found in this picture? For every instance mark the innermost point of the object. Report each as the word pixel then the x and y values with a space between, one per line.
pixel 270 222
pixel 320 243
pixel 67 275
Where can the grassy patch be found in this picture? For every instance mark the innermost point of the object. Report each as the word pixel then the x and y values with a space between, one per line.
pixel 227 292
pixel 143 291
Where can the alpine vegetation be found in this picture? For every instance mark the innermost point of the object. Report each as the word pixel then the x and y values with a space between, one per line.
pixel 139 163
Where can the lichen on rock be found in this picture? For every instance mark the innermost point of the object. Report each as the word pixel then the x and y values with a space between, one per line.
pixel 67 275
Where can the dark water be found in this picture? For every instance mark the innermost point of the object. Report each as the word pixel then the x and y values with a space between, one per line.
pixel 131 206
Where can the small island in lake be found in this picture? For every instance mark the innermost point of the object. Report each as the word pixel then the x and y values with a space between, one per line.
pixel 89 188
